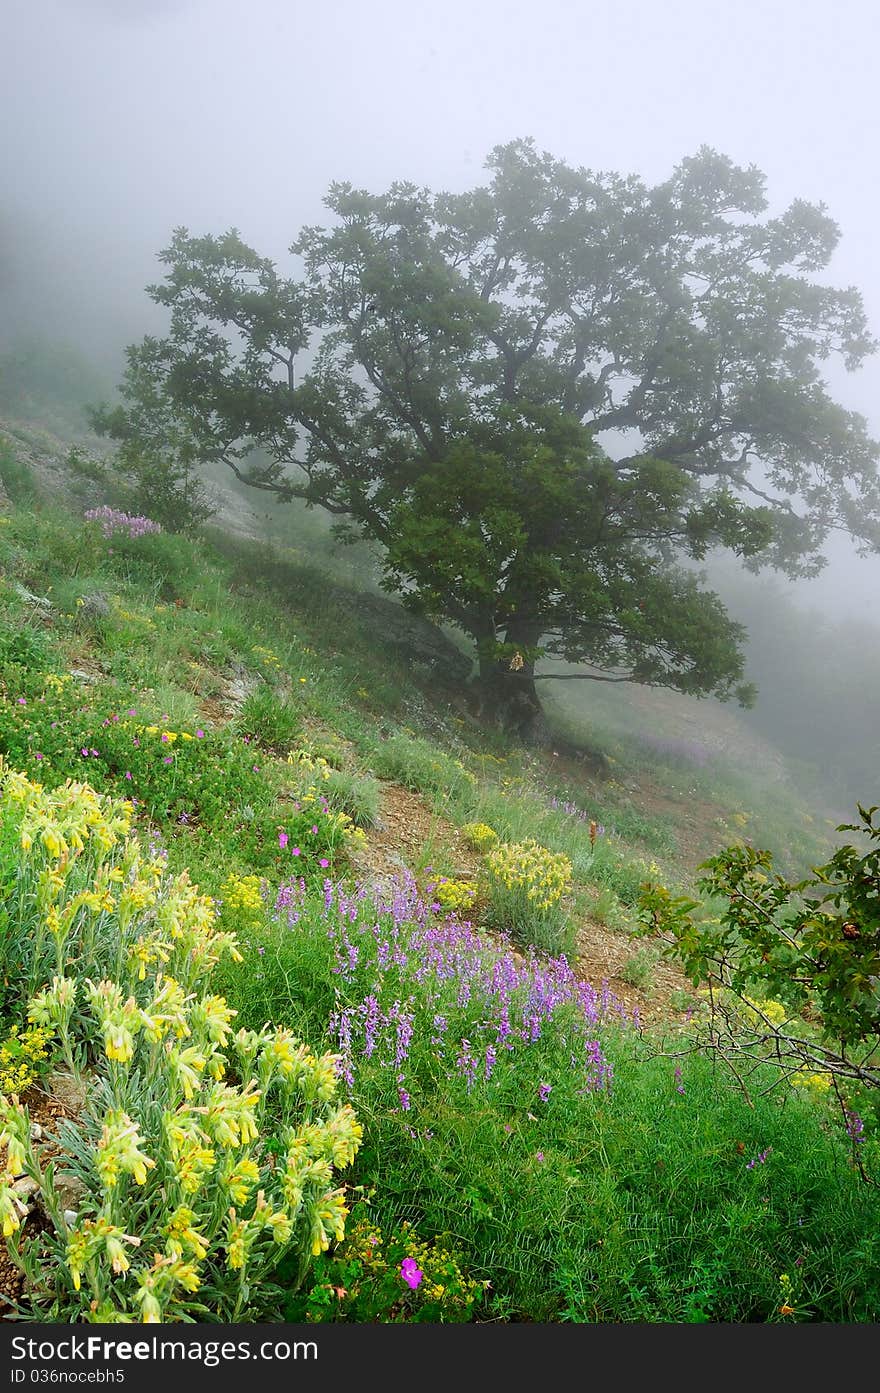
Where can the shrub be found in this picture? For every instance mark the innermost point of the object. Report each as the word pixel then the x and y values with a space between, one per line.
pixel 793 967
pixel 24 1057
pixel 526 885
pixel 479 836
pixel 453 896
pixel 354 795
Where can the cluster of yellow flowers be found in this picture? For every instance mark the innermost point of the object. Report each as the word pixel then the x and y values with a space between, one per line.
pixel 266 655
pixel 541 875
pixel 479 835
pixel 243 893
pixel 311 798
pixel 758 1013
pixel 63 819
pixel 22 1054
pixel 454 895
pixel 312 763
pixel 211 1197
pixel 441 1278
pixel 130 615
pixel 817 1083
pixel 167 737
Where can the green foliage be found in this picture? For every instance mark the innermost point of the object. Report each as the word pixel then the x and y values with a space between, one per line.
pixel 463 352
pixel 362 1279
pixel 526 887
pixel 272 721
pixel 793 967
pixel 23 650
pixel 420 765
pixel 811 950
pixel 638 970
pixel 16 477
pixel 353 794
pixel 184 1207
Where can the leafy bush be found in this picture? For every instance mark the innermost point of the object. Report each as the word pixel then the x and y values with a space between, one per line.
pixel 479 836
pixel 793 966
pixel 525 889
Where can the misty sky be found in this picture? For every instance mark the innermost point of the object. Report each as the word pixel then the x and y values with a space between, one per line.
pixel 125 118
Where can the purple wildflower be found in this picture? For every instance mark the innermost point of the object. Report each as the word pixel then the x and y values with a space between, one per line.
pixel 411 1273
pixel 759 1159
pixel 854 1126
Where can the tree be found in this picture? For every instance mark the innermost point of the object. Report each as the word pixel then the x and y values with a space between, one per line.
pixel 441 373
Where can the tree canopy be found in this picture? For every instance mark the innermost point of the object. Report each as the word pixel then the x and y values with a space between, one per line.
pixel 545 398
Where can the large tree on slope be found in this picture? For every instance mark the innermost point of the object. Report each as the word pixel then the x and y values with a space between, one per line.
pixel 444 373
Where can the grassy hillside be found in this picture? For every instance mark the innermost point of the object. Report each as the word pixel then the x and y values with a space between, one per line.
pixel 539 1142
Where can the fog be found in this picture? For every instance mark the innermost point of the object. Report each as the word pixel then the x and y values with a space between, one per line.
pixel 125 118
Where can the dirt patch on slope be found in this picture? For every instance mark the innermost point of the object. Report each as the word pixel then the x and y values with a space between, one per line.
pixel 406 834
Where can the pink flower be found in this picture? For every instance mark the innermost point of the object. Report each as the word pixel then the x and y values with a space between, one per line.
pixel 38 755
pixel 296 851
pixel 315 830
pixel 169 759
pixel 200 735
pixel 22 701
pixel 84 752
pixel 324 862
pixel 283 839
pixel 128 773
pixel 411 1273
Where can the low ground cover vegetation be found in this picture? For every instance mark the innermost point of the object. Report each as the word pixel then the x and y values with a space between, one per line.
pixel 319 1088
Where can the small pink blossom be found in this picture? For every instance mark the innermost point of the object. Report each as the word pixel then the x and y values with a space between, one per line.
pixel 283 839
pixel 411 1273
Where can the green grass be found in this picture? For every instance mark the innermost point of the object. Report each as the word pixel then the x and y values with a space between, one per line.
pixel 642 1207
pixel 634 1204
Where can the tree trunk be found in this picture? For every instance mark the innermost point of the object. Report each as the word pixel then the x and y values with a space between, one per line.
pixel 506 690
